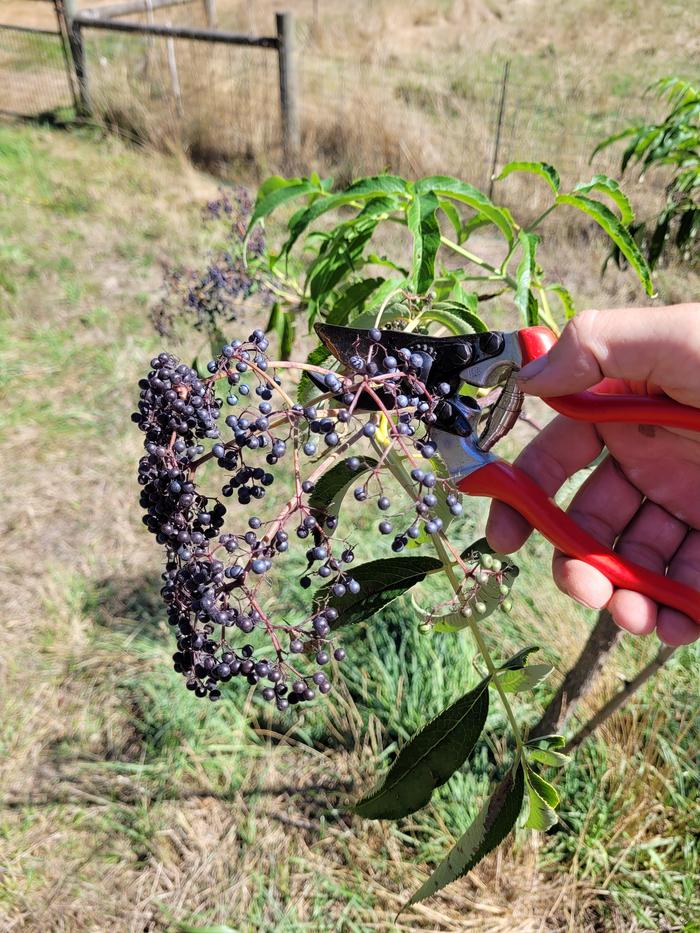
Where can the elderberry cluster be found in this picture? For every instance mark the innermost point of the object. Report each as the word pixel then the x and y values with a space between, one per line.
pixel 215 293
pixel 214 584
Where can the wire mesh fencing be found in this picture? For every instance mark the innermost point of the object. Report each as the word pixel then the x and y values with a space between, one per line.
pixel 33 72
pixel 215 101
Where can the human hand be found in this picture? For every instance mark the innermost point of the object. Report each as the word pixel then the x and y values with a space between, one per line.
pixel 644 497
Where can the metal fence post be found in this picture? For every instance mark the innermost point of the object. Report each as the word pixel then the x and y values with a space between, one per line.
pixel 499 125
pixel 288 84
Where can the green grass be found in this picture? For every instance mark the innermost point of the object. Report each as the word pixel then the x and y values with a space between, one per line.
pixel 128 803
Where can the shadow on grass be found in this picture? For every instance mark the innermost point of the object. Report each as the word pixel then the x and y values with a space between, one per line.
pixel 128 605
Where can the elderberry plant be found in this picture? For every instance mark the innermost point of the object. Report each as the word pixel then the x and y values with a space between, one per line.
pixel 252 421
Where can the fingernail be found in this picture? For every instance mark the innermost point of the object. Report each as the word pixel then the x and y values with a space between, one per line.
pixel 534 368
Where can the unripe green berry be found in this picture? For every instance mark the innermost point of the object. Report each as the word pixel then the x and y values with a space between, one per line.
pixel 486 561
pixel 503 589
pixel 496 565
pixel 480 608
pixel 425 628
pixel 466 612
pixel 483 578
pixel 507 605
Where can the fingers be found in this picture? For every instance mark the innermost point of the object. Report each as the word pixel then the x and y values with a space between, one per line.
pixel 561 449
pixel 651 540
pixel 673 627
pixel 604 506
pixel 655 345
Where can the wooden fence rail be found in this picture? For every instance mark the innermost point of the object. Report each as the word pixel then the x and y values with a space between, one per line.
pixel 104 18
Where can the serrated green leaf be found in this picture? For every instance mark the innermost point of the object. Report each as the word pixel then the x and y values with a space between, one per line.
pixel 524 679
pixel 543 169
pixel 352 299
pixel 429 758
pixel 519 659
pixel 275 192
pixel 456 315
pixel 445 186
pixel 377 186
pixel 381 582
pixel 524 277
pixel 306 389
pixel 331 488
pixel 425 230
pixel 622 238
pixel 495 821
pixel 543 800
pixel 547 757
pixel 564 295
pixel 610 187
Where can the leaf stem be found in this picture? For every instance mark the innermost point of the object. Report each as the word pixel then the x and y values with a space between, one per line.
pixel 538 220
pixel 477 260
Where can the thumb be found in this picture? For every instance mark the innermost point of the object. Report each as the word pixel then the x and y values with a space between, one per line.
pixel 656 345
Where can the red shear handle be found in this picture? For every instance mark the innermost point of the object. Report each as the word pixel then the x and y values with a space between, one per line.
pixel 505 482
pixel 604 409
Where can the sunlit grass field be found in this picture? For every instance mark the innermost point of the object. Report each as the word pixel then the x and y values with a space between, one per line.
pixel 129 805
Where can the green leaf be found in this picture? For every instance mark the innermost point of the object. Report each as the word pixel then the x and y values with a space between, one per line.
pixel 287 339
pixel 452 214
pixel 621 237
pixel 553 739
pixel 543 800
pixel 392 310
pixel 275 192
pixel 365 188
pixel 616 137
pixel 610 187
pixel 547 757
pixel 564 295
pixel 381 581
pixel 524 679
pixel 307 389
pixel 518 660
pixel 445 186
pixel 543 169
pixel 457 315
pixel 429 758
pixel 331 488
pixel 495 821
pixel 524 277
pixel 352 299
pixel 425 230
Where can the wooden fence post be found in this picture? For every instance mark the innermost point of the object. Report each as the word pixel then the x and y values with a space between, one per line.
pixel 210 13
pixel 288 84
pixel 69 9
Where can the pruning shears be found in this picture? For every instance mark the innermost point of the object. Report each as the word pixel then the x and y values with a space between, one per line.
pixel 491 360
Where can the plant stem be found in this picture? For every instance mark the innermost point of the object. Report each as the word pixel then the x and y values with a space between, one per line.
pixel 397 469
pixel 479 639
pixel 538 220
pixel 477 260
